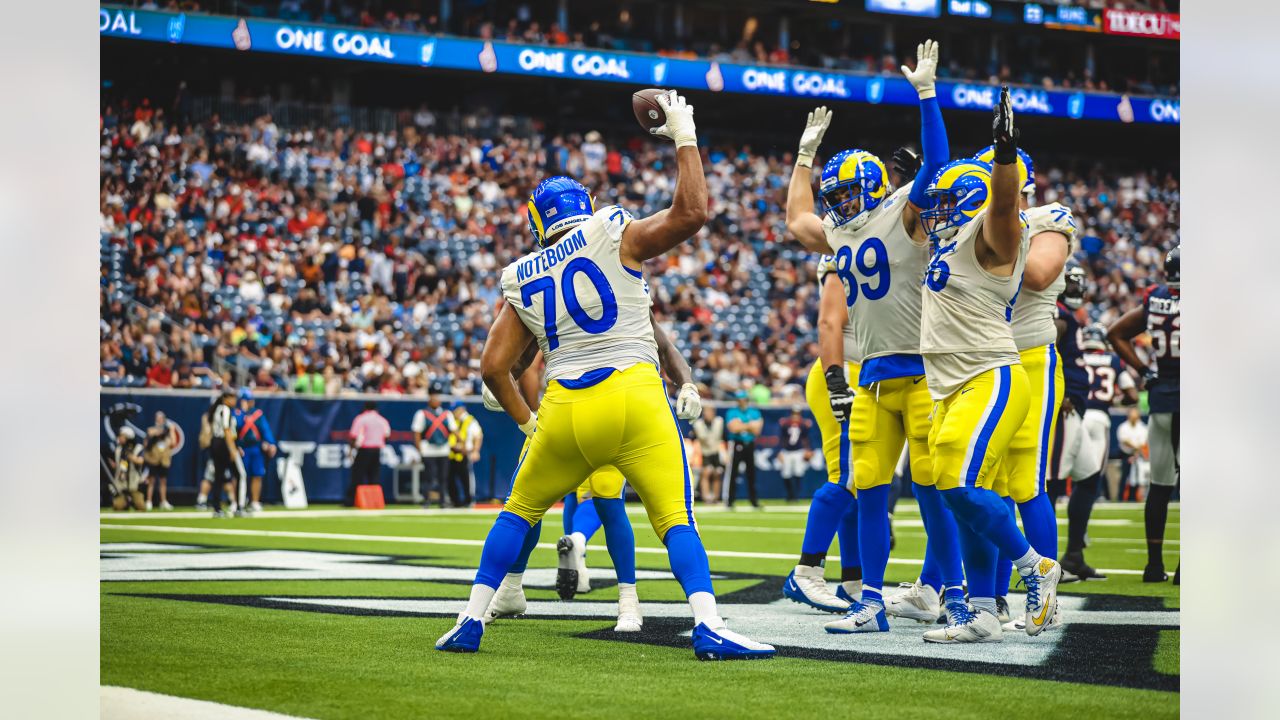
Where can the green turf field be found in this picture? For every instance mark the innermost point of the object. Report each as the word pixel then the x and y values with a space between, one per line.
pixel 333 614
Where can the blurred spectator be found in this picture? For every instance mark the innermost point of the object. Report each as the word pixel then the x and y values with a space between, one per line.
pixel 377 254
pixel 1132 436
pixel 369 433
pixel 433 425
pixel 158 454
pixel 744 424
pixel 464 449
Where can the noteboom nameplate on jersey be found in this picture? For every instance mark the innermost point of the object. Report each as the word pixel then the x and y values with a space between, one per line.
pixel 1107 640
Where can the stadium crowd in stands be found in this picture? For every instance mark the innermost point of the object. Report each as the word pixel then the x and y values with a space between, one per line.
pixel 754 43
pixel 321 260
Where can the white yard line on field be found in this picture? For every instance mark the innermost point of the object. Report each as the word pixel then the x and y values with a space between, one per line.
pixel 120 703
pixel 351 537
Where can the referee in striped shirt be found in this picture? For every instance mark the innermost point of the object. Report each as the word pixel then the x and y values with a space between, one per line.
pixel 225 455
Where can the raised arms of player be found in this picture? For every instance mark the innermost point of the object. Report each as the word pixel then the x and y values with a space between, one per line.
pixel 652 236
pixel 1121 334
pixel 833 313
pixel 1002 229
pixel 688 402
pixel 508 340
pixel 933 136
pixel 803 223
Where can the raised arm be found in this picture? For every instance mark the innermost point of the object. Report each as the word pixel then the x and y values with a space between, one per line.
pixel 833 313
pixel 507 341
pixel 1002 228
pixel 652 236
pixel 802 222
pixel 933 136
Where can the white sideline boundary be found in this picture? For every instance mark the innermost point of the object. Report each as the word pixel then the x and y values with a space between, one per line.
pixel 121 703
pixel 307 535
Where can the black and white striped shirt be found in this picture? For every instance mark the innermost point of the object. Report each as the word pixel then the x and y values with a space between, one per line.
pixel 222 422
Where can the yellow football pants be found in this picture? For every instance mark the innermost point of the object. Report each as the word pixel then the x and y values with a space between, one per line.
pixel 837 448
pixel 624 421
pixel 1021 474
pixel 972 428
pixel 885 415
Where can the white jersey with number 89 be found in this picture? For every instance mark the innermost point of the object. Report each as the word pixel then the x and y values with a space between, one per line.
pixel 585 308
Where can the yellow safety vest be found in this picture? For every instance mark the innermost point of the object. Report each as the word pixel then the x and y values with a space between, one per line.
pixel 458 439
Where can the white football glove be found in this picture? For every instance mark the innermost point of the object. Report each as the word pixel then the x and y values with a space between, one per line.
pixel 679 125
pixel 489 400
pixel 819 121
pixel 530 425
pixel 688 403
pixel 926 70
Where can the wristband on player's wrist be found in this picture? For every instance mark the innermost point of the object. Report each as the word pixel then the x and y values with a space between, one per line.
pixel 804 160
pixel 1005 153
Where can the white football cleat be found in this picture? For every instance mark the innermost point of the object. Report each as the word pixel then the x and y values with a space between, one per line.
pixel 1042 595
pixel 967 626
pixel 1019 624
pixel 165 505
pixel 1002 610
pixel 861 618
pixel 629 618
pixel 507 602
pixel 807 586
pixel 255 507
pixel 571 575
pixel 916 601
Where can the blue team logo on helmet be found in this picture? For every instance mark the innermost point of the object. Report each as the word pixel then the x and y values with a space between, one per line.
pixel 959 191
pixel 557 203
pixel 854 182
pixel 1026 168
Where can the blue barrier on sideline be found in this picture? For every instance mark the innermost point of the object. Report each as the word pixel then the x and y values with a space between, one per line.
pixel 314 430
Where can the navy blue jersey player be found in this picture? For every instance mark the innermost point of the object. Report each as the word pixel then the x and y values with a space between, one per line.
pixel 1160 317
pixel 1075 382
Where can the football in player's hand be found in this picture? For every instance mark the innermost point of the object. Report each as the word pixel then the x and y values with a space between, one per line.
pixel 648 112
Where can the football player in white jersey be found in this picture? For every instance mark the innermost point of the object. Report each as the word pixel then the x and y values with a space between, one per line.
pixel 1021 475
pixel 881 252
pixel 582 296
pixel 833 509
pixel 975 375
pixel 604 490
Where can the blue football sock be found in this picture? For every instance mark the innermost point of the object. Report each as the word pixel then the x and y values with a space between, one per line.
pixel 873 539
pixel 570 505
pixel 1004 566
pixel 825 512
pixel 1041 525
pixel 501 547
pixel 942 549
pixel 986 514
pixel 980 557
pixel 586 519
pixel 618 536
pixel 688 559
pixel 530 542
pixel 850 553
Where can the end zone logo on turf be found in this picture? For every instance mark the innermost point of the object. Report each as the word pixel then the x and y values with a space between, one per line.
pixel 1106 640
